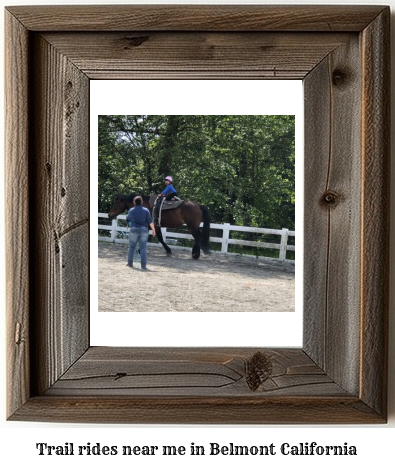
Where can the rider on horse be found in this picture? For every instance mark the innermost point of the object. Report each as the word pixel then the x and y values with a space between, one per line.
pixel 169 192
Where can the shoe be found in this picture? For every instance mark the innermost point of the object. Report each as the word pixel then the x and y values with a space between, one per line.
pixel 130 265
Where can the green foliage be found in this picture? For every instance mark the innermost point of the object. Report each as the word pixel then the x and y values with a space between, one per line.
pixel 241 167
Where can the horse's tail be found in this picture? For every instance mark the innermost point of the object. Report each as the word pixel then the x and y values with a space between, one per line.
pixel 205 238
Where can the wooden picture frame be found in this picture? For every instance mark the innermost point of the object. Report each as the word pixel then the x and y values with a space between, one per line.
pixel 340 374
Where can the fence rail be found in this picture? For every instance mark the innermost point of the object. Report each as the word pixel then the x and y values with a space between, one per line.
pixel 115 229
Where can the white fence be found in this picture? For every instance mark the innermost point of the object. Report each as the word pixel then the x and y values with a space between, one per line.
pixel 115 229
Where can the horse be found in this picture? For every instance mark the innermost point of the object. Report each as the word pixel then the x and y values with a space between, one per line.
pixel 188 212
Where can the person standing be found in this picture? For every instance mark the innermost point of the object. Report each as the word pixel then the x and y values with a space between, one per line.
pixel 139 219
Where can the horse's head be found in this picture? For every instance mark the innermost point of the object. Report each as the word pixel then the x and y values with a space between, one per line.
pixel 118 207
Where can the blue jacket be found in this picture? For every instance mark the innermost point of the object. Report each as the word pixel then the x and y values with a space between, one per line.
pixel 168 190
pixel 139 216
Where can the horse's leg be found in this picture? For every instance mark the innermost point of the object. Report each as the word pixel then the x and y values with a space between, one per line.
pixel 196 247
pixel 160 238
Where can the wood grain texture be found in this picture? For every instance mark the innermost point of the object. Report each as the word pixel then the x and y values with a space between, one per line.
pixel 317 150
pixel 332 202
pixel 60 195
pixel 198 410
pixel 188 372
pixel 17 213
pixel 196 18
pixel 339 376
pixel 196 55
pixel 124 385
pixel 376 211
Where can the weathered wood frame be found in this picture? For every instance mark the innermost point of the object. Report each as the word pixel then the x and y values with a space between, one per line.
pixel 340 374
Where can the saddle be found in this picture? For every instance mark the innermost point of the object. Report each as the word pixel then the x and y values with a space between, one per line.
pixel 171 204
pixel 166 205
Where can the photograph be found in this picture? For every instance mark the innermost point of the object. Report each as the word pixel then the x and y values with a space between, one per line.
pixel 204 204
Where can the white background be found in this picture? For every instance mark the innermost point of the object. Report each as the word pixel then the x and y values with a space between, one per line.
pixel 18 440
pixel 196 97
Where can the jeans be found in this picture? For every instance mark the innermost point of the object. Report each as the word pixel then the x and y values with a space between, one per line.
pixel 138 235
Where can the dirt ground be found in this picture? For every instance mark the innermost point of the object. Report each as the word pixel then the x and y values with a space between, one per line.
pixel 214 283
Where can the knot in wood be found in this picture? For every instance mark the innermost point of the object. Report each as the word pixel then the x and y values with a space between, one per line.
pixel 330 199
pixel 135 41
pixel 339 77
pixel 259 369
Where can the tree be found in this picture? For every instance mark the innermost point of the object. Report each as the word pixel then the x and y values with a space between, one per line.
pixel 241 167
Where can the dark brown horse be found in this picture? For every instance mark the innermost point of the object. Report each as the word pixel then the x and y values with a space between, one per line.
pixel 188 212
